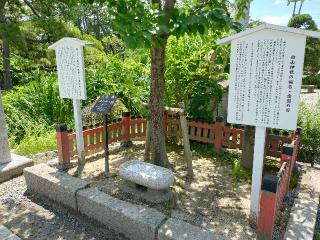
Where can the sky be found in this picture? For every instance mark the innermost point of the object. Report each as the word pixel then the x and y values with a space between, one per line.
pixel 277 12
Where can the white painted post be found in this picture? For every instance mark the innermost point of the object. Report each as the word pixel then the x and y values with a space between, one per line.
pixel 5 155
pixel 258 159
pixel 78 126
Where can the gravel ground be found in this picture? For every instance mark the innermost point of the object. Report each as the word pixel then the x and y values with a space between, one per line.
pixel 31 217
pixel 317 228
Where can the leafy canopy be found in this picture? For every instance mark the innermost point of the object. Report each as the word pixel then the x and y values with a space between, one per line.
pixel 144 23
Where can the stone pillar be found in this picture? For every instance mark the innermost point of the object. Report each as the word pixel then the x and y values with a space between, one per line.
pixel 5 155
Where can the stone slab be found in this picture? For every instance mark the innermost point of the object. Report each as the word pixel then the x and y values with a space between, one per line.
pixel 14 167
pixel 303 214
pixel 57 186
pixel 134 221
pixel 175 229
pixel 146 174
pixel 6 234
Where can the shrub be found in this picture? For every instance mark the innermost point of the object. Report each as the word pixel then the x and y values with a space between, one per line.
pixel 43 141
pixel 309 121
pixel 312 80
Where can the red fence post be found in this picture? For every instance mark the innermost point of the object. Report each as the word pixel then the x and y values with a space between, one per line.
pixel 218 135
pixel 286 153
pixel 268 207
pixel 125 133
pixel 63 143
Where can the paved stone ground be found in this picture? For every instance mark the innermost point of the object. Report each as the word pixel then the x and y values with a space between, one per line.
pixel 31 217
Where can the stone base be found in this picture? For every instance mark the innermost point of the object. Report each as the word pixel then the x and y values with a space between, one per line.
pixel 14 168
pixel 147 194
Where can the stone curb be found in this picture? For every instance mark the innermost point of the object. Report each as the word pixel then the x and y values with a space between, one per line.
pixel 303 214
pixel 14 168
pixel 134 221
pixel 57 186
pixel 6 234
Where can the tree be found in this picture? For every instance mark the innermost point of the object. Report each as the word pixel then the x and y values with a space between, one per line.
pixel 150 24
pixel 295 6
pixel 312 60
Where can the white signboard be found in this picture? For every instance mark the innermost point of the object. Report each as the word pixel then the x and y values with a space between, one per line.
pixel 71 76
pixel 266 71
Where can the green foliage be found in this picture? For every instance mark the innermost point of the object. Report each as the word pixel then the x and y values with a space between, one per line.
pixel 312 60
pixel 43 141
pixel 240 173
pixel 35 105
pixel 205 94
pixel 194 64
pixel 309 121
pixel 312 80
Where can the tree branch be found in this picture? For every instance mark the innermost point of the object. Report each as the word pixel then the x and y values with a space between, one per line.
pixel 35 12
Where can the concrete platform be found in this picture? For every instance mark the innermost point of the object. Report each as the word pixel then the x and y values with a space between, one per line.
pixel 14 168
pixel 6 234
pixel 53 184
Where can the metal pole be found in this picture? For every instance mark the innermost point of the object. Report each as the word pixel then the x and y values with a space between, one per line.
pixel 106 145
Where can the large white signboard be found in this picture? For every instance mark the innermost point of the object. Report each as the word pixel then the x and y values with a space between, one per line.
pixel 266 71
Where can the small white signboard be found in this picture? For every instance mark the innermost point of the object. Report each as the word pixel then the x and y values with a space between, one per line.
pixel 71 80
pixel 265 79
pixel 70 66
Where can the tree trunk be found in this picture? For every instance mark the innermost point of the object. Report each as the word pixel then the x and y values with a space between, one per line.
pixel 7 81
pixel 158 154
pixel 301 3
pixel 248 147
pixel 294 9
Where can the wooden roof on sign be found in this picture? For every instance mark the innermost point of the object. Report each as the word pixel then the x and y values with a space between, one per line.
pixel 265 26
pixel 70 40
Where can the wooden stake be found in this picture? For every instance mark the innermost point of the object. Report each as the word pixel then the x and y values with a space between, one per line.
pixel 148 143
pixel 186 145
pixel 258 157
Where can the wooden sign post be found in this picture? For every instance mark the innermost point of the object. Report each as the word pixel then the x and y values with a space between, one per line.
pixel 265 79
pixel 103 106
pixel 71 80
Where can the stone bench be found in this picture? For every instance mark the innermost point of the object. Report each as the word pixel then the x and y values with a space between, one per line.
pixel 147 181
pixel 309 87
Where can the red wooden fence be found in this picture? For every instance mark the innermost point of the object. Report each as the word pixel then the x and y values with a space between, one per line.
pixel 219 135
pixel 274 188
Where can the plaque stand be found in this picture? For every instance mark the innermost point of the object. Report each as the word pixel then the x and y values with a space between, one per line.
pixel 257 169
pixel 106 145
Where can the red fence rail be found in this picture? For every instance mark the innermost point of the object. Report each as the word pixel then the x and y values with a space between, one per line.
pixel 274 188
pixel 127 128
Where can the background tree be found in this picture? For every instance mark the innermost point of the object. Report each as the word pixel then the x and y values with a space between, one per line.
pixel 312 59
pixel 149 24
pixel 295 6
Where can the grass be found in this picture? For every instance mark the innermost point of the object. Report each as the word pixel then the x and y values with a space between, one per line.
pixel 39 143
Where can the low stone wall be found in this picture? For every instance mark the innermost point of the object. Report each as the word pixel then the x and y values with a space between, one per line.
pixel 134 221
